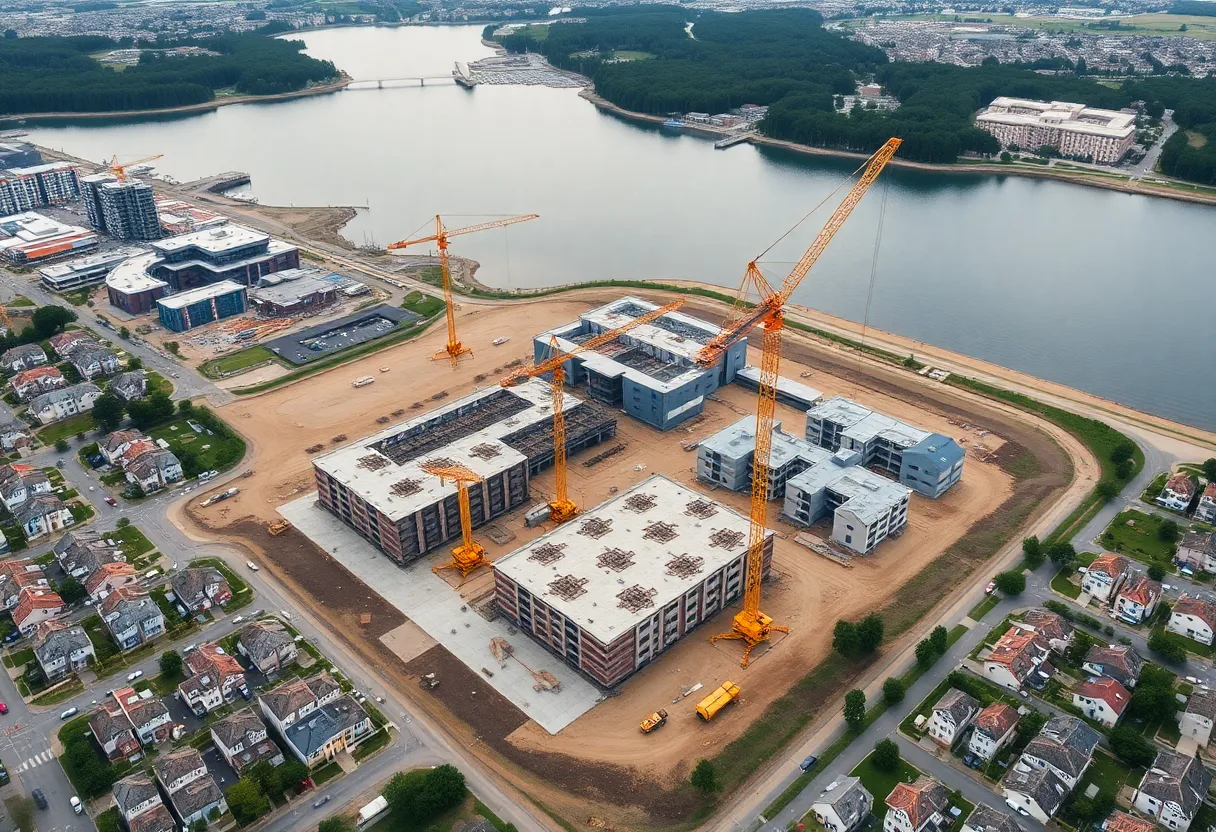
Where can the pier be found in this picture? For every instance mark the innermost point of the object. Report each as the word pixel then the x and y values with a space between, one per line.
pixel 731 141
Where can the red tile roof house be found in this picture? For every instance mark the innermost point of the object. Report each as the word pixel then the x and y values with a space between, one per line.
pixel 1136 602
pixel 994 727
pixel 912 807
pixel 16 575
pixel 1123 822
pixel 66 343
pixel 1015 657
pixel 35 606
pixel 215 678
pixel 1205 511
pixel 109 577
pixel 1102 699
pixel 30 383
pixel 1104 577
pixel 1176 495
pixel 115 444
pixel 1050 626
pixel 1193 618
pixel 113 732
pixel 1123 664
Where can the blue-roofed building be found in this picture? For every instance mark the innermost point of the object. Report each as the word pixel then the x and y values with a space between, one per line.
pixel 329 730
pixel 932 465
pixel 204 305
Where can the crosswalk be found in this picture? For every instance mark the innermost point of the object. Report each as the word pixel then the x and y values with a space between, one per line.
pixel 35 761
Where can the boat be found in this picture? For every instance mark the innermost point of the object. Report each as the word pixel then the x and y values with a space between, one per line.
pixel 671 122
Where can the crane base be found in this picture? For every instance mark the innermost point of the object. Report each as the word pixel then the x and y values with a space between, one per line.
pixel 453 352
pixel 562 510
pixel 754 628
pixel 465 559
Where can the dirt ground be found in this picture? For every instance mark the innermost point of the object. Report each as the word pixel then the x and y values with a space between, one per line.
pixel 806 591
pixel 324 224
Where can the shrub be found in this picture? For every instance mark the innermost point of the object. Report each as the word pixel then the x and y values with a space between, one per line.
pixel 855 709
pixel 1011 583
pixel 705 778
pixel 886 755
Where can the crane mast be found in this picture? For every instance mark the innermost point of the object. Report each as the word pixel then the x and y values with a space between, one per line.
pixel 470 554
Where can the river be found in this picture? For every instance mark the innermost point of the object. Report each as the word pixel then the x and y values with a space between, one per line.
pixel 1104 291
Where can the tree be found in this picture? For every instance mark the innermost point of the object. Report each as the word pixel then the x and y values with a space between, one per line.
pixel 185 407
pixel 246 801
pixel 173 347
pixel 1032 550
pixel 704 777
pixel 893 690
pixel 151 411
pixel 1061 553
pixel 402 791
pixel 1156 571
pixel 445 788
pixel 123 522
pixel 108 412
pixel 72 591
pixel 1029 727
pixel 199 825
pixel 62 445
pixel 124 333
pixel 335 824
pixel 1083 808
pixel 292 773
pixel 1107 490
pixel 1209 469
pixel 845 640
pixel 1006 156
pixel 1124 449
pixel 855 709
pixel 171 665
pixel 1153 699
pixel 1168 531
pixel 940 639
pixel 134 363
pixel 1182 28
pixel 1011 583
pixel 1131 747
pixel 925 654
pixel 50 320
pixel 1081 644
pixel 266 775
pixel 869 633
pixel 10 34
pixel 886 755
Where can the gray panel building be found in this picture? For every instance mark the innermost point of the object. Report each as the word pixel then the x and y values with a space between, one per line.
pixel 725 458
pixel 129 210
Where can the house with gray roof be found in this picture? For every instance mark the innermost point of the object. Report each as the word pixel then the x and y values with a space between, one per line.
pixel 82 553
pixel 328 730
pixel 986 819
pixel 61 648
pixel 43 515
pixel 132 616
pixel 113 732
pixel 292 701
pixel 1118 662
pixel 153 470
pixel 1172 790
pixel 93 361
pixel 136 794
pixel 243 740
pixel 130 385
pixel 21 358
pixel 1037 791
pixel 198 588
pixel 951 716
pixel 60 404
pixel 268 645
pixel 14 435
pixel 844 806
pixel 157 819
pixel 178 769
pixel 197 800
pixel 18 486
pixel 1196 720
pixel 1066 746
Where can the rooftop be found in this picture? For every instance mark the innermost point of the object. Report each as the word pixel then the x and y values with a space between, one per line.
pixel 785 387
pixel 740 439
pixel 90 262
pixel 312 732
pixel 213 240
pixel 866 494
pixel 633 554
pixel 862 424
pixel 293 287
pixel 130 276
pixel 202 293
pixel 1065 115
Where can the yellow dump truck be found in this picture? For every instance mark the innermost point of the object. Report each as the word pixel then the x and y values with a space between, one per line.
pixel 708 707
pixel 653 721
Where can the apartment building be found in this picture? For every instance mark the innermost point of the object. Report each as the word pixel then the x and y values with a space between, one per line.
pixel 1072 129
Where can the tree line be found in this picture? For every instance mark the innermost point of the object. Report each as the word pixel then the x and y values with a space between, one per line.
pixel 56 74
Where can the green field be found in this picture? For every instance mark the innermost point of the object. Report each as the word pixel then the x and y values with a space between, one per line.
pixel 420 304
pixel 880 783
pixel 1139 541
pixel 133 542
pixel 1202 28
pixel 200 452
pixel 235 362
pixel 66 429
pixel 631 55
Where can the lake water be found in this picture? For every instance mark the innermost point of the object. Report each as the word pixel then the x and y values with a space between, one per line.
pixel 1107 292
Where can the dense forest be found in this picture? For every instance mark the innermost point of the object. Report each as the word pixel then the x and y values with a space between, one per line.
pixel 785 59
pixel 56 74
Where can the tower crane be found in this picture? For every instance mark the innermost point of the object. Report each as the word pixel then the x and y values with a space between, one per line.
pixel 750 624
pixel 562 508
pixel 469 554
pixel 454 348
pixel 120 169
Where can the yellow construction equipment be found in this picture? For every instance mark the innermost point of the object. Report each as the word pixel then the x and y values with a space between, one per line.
pixel 750 624
pixel 4 315
pixel 469 554
pixel 562 508
pixel 654 721
pixel 708 707
pixel 278 528
pixel 454 348
pixel 120 169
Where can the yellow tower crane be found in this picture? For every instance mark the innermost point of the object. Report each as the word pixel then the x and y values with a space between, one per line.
pixel 469 554
pixel 750 624
pixel 4 315
pixel 562 508
pixel 119 169
pixel 454 348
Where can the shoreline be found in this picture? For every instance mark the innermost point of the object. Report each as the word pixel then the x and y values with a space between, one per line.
pixel 1129 187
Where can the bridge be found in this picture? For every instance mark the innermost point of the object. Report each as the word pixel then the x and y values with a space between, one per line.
pixel 460 75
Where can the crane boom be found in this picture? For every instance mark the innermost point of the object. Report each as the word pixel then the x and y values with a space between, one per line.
pixel 120 169
pixel 469 554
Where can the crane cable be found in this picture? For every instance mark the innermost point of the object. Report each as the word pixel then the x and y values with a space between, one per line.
pixel 819 205
pixel 882 213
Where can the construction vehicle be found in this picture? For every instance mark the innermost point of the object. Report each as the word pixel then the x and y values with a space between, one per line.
pixel 363 381
pixel 277 528
pixel 654 721
pixel 120 169
pixel 469 554
pixel 708 707
pixel 562 508
pixel 454 348
pixel 428 682
pixel 223 495
pixel 750 624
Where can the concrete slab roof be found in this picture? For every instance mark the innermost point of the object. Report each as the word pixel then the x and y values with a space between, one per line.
pixel 862 424
pixel 740 439
pixel 868 495
pixel 211 290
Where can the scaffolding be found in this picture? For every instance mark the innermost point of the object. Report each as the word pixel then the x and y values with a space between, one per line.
pixel 666 323
pixel 451 427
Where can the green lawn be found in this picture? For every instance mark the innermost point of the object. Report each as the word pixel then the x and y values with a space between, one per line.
pixel 1151 493
pixel 157 383
pixel 983 607
pixel 1138 541
pixel 235 362
pixel 103 643
pixel 631 55
pixel 133 542
pixel 1062 585
pixel 420 304
pixel 66 429
pixel 200 452
pixel 880 783
pixel 1108 774
pixel 60 694
pixel 19 658
pixel 326 772
pixel 373 744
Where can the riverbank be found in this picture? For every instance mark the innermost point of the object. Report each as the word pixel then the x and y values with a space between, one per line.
pixel 1095 180
pixel 321 89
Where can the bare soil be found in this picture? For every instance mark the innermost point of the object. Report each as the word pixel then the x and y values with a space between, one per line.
pixel 320 223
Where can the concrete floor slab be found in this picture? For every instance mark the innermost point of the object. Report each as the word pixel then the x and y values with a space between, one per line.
pixel 435 607
pixel 408 641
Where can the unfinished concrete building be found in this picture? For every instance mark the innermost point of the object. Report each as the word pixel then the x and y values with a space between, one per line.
pixel 789 392
pixel 612 589
pixel 725 458
pixel 865 508
pixel 377 487
pixel 926 462
pixel 650 371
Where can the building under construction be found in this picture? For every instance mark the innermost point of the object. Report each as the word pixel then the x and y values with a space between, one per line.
pixel 612 589
pixel 378 488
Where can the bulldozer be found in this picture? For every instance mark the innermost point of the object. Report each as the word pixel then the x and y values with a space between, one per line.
pixel 278 528
pixel 653 722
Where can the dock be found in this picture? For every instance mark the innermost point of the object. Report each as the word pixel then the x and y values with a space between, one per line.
pixel 219 183
pixel 731 141
pixel 463 76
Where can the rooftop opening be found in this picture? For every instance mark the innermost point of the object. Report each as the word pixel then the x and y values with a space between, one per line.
pixel 618 560
pixel 568 587
pixel 685 566
pixel 547 553
pixel 726 538
pixel 636 598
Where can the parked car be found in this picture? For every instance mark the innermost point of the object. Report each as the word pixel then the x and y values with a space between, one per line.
pixel 238 619
pixel 69 713
pixel 39 798
pixel 3 709
pixel 110 500
pixel 253 566
pixel 806 764
pixel 13 636
pixel 4 778
pixel 991 586
pixel 321 802
pixel 77 806
pixel 131 677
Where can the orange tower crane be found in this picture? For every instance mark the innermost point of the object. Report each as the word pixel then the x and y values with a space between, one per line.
pixel 750 624
pixel 454 348
pixel 4 315
pixel 562 508
pixel 469 554
pixel 120 169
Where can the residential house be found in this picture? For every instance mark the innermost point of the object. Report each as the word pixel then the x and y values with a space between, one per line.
pixel 16 575
pixel 1019 658
pixel 133 451
pixel 14 436
pixel 1177 494
pixel 153 470
pixel 19 483
pixel 951 716
pixel 132 616
pixel 24 357
pixel 1197 550
pixel 844 806
pixel 60 404
pixel 113 732
pixel 1193 618
pixel 157 819
pixel 1038 792
pixel 215 678
pixel 268 646
pixel 95 361
pixel 1102 699
pixel 197 800
pixel 292 701
pixel 1104 577
pixel 130 385
pixel 198 588
pixel 1051 626
pixel 61 648
pixel 1065 745
pixel 80 554
pixel 340 725
pixel 912 807
pixel 35 606
pixel 30 383
pixel 67 343
pixel 1123 822
pixel 994 728
pixel 109 578
pixel 135 795
pixel 1196 719
pixel 1118 662
pixel 180 768
pixel 1172 790
pixel 986 819
pixel 148 715
pixel 1137 600
pixel 116 443
pixel 243 740
pixel 1205 509
pixel 43 515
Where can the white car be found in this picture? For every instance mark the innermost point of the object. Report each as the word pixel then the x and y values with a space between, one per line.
pixel 238 619
pixel 131 677
pixel 77 806
pixel 253 566
pixel 69 713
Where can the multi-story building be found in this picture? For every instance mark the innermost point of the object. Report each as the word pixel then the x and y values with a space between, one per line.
pixel 215 678
pixel 1104 577
pixel 725 458
pixel 1123 664
pixel 1036 792
pixel 292 701
pixel 505 435
pixel 951 716
pixel 193 793
pixel 1065 746
pixel 20 484
pixel 36 605
pixel 200 306
pixel 610 591
pixel 132 616
pixel 198 588
pixel 1205 509
pixel 1103 700
pixel 80 554
pixel 335 727
pixel 1197 552
pixel 844 806
pixel 177 217
pixel 84 271
pixel 108 578
pixel 90 193
pixel 1123 822
pixel 1136 600
pixel 789 392
pixel 230 252
pixel 1193 618
pixel 865 508
pixel 268 646
pixel 42 515
pixel 130 288
pixel 1073 130
pixel 30 383
pixel 17 193
pixel 23 188
pixel 61 648
pixel 16 575
pixel 23 357
pixel 95 361
pixel 928 463
pixel 994 729
pixel 113 732
pixel 128 209
pixel 1019 658
pixel 135 795
pixel 148 716
pixel 154 470
pixel 15 435
pixel 130 385
pixel 294 292
pixel 243 741
pixel 34 237
pixel 1177 493
pixel 986 819
pixel 1051 626
pixel 1173 790
pixel 650 372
